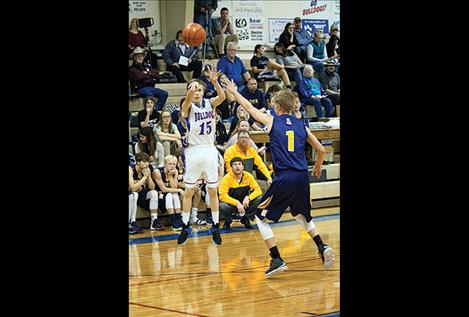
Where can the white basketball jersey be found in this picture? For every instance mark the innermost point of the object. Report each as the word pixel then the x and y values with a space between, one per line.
pixel 201 124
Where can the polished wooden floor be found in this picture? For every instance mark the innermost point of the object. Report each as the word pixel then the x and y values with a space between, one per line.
pixel 201 279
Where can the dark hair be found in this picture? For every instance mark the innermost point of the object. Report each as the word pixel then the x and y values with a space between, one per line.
pixel 224 9
pixel 150 146
pixel 287 26
pixel 177 34
pixel 274 88
pixel 148 98
pixel 256 48
pixel 142 156
pixel 236 159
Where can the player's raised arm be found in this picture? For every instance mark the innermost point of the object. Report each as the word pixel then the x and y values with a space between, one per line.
pixel 186 105
pixel 216 101
pixel 255 113
pixel 320 150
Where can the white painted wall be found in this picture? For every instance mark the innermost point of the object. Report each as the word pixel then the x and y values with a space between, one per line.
pixel 147 9
pixel 258 21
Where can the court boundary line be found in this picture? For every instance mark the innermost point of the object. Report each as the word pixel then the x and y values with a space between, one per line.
pixel 167 309
pixel 204 233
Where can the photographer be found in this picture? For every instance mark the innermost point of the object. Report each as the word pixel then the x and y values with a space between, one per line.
pixel 137 39
pixel 143 78
pixel 172 56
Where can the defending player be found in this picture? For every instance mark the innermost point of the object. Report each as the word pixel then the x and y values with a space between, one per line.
pixel 290 187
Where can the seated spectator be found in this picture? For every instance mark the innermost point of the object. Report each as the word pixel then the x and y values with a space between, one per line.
pixel 263 68
pixel 233 67
pixel 141 182
pixel 211 92
pixel 288 38
pixel 312 93
pixel 242 114
pixel 252 160
pixel 168 133
pixel 333 46
pixel 166 179
pixel 148 143
pixel 148 116
pixel 221 137
pixel 316 53
pixel 330 81
pixel 242 125
pixel 172 54
pixel 228 96
pixel 182 124
pixel 290 60
pixel 143 79
pixel 239 194
pixel 268 98
pixel 254 95
pixel 224 31
pixel 296 111
pixel 303 39
pixel 137 39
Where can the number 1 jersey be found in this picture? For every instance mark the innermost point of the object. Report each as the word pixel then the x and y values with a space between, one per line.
pixel 201 124
pixel 287 143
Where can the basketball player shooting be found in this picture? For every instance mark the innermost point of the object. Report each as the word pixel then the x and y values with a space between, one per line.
pixel 201 155
pixel 290 187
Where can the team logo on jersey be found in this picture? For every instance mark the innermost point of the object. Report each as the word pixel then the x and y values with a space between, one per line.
pixel 288 121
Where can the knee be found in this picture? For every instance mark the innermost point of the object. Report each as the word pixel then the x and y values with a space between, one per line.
pixel 212 192
pixel 153 194
pixel 188 193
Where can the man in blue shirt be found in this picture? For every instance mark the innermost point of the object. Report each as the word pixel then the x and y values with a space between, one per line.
pixel 233 67
pixel 303 39
pixel 254 95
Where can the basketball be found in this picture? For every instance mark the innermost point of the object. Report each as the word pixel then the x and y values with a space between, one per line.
pixel 194 34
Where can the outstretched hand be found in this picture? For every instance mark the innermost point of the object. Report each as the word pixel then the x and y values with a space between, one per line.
pixel 230 85
pixel 193 86
pixel 213 76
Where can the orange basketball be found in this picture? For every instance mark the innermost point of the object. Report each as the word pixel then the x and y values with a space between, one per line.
pixel 194 34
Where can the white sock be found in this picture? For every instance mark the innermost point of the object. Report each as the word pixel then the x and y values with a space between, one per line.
pixel 185 217
pixel 215 216
pixel 194 214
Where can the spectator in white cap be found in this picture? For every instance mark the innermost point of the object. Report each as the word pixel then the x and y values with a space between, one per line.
pixel 143 78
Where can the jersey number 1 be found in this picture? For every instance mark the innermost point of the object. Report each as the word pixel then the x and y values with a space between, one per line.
pixel 291 140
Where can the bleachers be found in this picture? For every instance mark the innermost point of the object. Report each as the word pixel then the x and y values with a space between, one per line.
pixel 324 193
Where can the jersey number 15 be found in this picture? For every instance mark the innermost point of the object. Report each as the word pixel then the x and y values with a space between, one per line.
pixel 207 130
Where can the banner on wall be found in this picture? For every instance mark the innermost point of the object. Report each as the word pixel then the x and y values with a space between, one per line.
pixel 138 8
pixel 248 18
pixel 276 27
pixel 311 26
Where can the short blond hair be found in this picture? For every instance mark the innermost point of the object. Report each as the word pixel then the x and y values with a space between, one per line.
pixel 170 159
pixel 285 100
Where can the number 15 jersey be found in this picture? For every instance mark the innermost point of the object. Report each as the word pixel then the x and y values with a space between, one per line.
pixel 201 124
